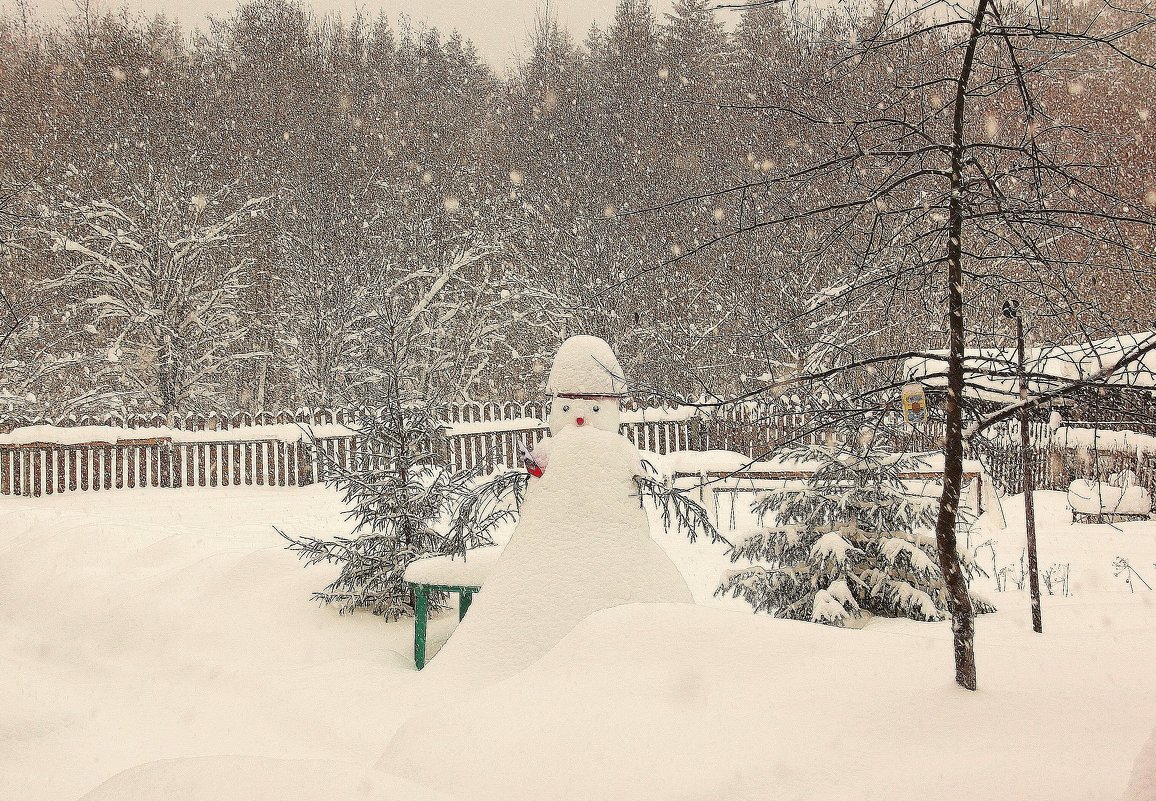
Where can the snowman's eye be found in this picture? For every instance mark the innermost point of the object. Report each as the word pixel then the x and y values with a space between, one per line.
pixel 595 408
pixel 565 408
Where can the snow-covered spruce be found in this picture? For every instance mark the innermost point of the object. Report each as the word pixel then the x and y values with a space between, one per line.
pixel 850 542
pixel 399 490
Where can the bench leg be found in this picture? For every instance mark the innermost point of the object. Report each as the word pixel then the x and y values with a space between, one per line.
pixel 465 598
pixel 420 620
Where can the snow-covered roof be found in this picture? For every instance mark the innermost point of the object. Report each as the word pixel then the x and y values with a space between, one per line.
pixel 586 365
pixel 992 373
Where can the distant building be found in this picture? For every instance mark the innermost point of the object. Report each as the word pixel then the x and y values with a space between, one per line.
pixel 1123 398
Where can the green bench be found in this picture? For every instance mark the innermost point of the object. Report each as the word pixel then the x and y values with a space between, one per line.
pixel 455 574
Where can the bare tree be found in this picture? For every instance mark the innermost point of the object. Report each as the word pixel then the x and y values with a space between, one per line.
pixel 160 269
pixel 939 155
pixel 346 293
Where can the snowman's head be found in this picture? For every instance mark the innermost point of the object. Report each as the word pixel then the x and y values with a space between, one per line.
pixel 594 412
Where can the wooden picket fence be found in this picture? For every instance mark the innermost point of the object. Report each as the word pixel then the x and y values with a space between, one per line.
pixel 46 468
pixel 42 468
pixel 1055 467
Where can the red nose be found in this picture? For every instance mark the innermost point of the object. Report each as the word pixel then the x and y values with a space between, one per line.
pixel 579 421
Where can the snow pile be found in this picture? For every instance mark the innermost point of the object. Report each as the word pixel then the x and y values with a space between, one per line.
pixel 1095 498
pixel 700 462
pixel 1084 552
pixel 993 373
pixel 168 633
pixel 586 365
pixel 656 701
pixel 161 646
pixel 582 544
pixel 456 570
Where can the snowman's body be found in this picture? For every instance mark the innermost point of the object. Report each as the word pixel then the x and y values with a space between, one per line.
pixel 582 544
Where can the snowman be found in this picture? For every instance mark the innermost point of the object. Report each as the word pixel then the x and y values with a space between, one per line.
pixel 582 542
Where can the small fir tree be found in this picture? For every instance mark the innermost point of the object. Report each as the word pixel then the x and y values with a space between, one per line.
pixel 398 493
pixel 400 489
pixel 852 541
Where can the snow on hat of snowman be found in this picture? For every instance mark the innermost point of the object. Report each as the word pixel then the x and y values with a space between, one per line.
pixel 587 385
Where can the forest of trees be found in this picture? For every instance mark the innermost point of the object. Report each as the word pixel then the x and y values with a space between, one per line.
pixel 279 209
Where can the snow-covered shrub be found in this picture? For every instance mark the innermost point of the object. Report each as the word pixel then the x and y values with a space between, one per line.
pixel 850 541
pixel 397 493
pixel 405 498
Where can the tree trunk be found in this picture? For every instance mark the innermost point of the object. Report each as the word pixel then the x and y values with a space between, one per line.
pixel 962 614
pixel 165 379
pixel 1029 487
pixel 258 404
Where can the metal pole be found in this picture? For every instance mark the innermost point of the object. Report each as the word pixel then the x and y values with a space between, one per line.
pixel 1029 484
pixel 420 620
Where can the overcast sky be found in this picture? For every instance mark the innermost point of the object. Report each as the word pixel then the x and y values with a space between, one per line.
pixel 497 27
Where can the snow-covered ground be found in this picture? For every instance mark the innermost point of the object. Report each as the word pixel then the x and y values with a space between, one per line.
pixel 146 625
pixel 161 644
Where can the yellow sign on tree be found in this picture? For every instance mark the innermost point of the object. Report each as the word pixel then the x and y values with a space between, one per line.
pixel 914 404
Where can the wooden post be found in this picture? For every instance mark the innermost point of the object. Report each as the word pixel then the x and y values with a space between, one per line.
pixel 1029 480
pixel 271 463
pixel 50 469
pixel 465 598
pixel 36 474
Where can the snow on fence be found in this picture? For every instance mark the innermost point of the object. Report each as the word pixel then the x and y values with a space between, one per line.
pixel 187 422
pixel 1055 467
pixel 195 421
pixel 46 468
pixel 275 449
pixel 454 413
